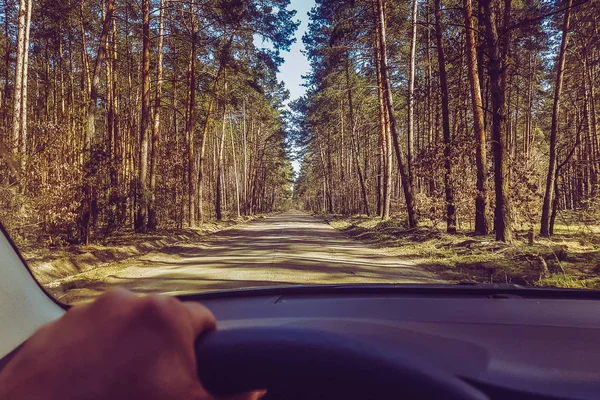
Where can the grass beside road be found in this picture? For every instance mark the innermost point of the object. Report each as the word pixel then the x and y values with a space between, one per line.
pixel 571 258
pixel 60 268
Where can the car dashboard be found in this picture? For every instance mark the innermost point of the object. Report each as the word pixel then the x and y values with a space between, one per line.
pixel 507 345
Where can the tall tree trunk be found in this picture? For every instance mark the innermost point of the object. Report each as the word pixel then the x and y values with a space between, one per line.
pixel 528 108
pixel 152 217
pixel 448 177
pixel 385 156
pixel 355 148
pixel 7 54
pixel 141 222
pixel 411 92
pixel 115 142
pixel 62 77
pixel 481 201
pixel 245 153
pixel 23 135
pixel 18 96
pixel 189 128
pixel 587 152
pixel 89 195
pixel 592 128
pixel 502 213
pixel 235 170
pixel 389 106
pixel 84 55
pixel 484 81
pixel 551 176
pixel 220 150
pixel 429 100
pixel 205 130
pixel 327 198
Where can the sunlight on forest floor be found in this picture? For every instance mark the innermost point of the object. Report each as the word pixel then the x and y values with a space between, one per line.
pixel 51 265
pixel 571 258
pixel 296 248
pixel 290 248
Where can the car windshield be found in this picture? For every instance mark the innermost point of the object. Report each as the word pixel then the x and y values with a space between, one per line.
pixel 205 145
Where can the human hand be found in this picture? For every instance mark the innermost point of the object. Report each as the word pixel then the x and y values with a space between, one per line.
pixel 119 347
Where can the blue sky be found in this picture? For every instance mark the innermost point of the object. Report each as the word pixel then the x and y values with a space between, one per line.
pixel 296 64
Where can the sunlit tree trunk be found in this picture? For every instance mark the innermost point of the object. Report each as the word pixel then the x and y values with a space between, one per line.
pixel 355 147
pixel 189 128
pixel 220 154
pixel 114 139
pixel 481 201
pixel 502 214
pixel 88 206
pixel 385 153
pixel 551 175
pixel 24 72
pixel 84 55
pixel 245 155
pixel 448 177
pixel 18 96
pixel 152 217
pixel 141 220
pixel 7 56
pixel 235 174
pixel 411 92
pixel 592 128
pixel 389 112
pixel 207 121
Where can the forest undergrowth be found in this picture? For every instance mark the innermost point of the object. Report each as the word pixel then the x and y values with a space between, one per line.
pixel 570 258
pixel 53 264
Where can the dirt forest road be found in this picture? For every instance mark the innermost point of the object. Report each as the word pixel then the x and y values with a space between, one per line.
pixel 285 249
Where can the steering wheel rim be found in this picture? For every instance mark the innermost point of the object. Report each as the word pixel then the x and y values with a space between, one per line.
pixel 301 363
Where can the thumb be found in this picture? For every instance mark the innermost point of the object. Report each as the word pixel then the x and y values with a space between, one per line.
pixel 201 318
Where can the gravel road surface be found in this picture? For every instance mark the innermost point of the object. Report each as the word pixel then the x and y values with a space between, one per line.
pixel 285 249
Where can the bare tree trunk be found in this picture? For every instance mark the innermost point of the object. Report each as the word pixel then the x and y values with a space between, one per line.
pixel 235 172
pixel 448 177
pixel 384 127
pixel 219 177
pixel 62 78
pixel 551 176
pixel 430 112
pixel 189 128
pixel 382 181
pixel 203 142
pixel 355 147
pixel 481 201
pixel 592 128
pixel 84 55
pixel 141 222
pixel 7 53
pixel 222 66
pixel 327 198
pixel 115 142
pixel 245 149
pixel 411 92
pixel 554 206
pixel 23 136
pixel 89 195
pixel 389 105
pixel 528 108
pixel 502 214
pixel 18 101
pixel 152 217
pixel 110 137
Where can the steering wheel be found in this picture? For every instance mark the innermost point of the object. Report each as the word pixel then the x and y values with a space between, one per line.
pixel 308 364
